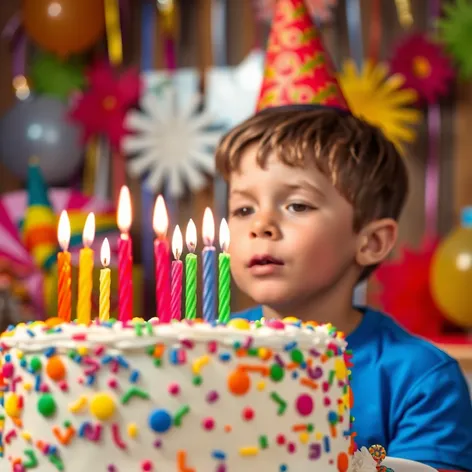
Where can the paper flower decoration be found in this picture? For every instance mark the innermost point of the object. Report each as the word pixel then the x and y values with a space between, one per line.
pixel 405 291
pixel 319 9
pixel 101 110
pixel 379 99
pixel 172 144
pixel 455 30
pixel 53 76
pixel 425 67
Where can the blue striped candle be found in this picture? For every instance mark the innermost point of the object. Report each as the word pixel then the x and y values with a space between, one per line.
pixel 209 267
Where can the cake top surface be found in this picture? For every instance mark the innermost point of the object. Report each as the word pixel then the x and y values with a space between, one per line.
pixel 122 335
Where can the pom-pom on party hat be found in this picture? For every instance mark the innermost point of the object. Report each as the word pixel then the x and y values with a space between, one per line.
pixel 298 70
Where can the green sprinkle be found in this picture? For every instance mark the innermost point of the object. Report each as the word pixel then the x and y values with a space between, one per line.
pixel 57 462
pixel 32 461
pixel 150 350
pixel 258 324
pixel 253 351
pixel 330 353
pixel 67 423
pixel 276 372
pixel 236 345
pixel 331 377
pixel 310 427
pixel 47 405
pixel 134 392
pixel 149 328
pixel 297 356
pixel 35 364
pixel 138 329
pixel 197 380
pixel 263 442
pixel 71 354
pixel 181 412
pixel 280 401
pixel 157 362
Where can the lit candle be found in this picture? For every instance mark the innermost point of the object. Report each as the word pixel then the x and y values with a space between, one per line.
pixel 105 282
pixel 125 257
pixel 162 258
pixel 191 272
pixel 64 290
pixel 176 285
pixel 224 279
pixel 84 302
pixel 209 267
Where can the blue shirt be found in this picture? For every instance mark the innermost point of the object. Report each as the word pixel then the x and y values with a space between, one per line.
pixel 409 396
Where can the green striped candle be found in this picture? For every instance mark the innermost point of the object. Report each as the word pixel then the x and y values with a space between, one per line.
pixel 224 276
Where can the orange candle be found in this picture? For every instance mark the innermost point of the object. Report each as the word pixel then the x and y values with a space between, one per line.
pixel 64 290
pixel 84 302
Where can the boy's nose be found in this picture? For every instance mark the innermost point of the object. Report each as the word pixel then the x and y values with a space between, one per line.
pixel 265 229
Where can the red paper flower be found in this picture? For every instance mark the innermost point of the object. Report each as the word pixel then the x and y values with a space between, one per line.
pixel 102 108
pixel 406 293
pixel 425 66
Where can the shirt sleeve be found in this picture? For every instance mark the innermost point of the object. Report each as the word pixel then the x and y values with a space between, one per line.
pixel 434 422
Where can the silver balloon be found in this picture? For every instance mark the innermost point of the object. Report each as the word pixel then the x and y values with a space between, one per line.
pixel 38 126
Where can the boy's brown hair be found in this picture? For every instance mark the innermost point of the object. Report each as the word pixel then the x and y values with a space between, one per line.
pixel 361 163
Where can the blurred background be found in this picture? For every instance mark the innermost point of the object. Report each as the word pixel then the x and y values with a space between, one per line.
pixel 95 94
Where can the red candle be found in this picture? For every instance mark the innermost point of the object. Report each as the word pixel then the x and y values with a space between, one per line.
pixel 125 257
pixel 64 269
pixel 162 258
pixel 177 269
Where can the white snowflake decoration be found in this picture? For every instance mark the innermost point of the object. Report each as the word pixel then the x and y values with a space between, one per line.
pixel 362 461
pixel 172 144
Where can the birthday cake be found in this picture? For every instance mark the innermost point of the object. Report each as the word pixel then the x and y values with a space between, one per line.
pixel 182 396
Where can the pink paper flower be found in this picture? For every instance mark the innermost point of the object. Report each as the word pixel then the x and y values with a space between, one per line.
pixel 425 66
pixel 101 109
pixel 319 9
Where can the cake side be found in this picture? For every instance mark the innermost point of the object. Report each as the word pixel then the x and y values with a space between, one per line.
pixel 186 397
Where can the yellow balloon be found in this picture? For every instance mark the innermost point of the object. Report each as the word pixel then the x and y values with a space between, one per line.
pixel 451 273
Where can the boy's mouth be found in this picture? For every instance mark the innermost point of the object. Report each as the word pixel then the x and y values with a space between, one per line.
pixel 265 260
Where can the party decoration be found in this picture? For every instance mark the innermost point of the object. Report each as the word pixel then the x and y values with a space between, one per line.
pixel 298 69
pixel 40 223
pixel 102 108
pixel 379 99
pixel 232 92
pixel 451 273
pixel 56 77
pixel 405 290
pixel 424 65
pixel 64 27
pixel 39 127
pixel 172 144
pixel 455 31
pixel 321 10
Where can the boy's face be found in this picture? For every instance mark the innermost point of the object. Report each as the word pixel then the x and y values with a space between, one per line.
pixel 292 233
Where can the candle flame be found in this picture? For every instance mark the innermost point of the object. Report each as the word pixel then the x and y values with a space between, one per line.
pixel 224 235
pixel 105 253
pixel 63 230
pixel 208 227
pixel 160 220
pixel 191 236
pixel 177 243
pixel 125 213
pixel 88 234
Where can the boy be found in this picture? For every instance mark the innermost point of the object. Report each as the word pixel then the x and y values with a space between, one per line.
pixel 315 196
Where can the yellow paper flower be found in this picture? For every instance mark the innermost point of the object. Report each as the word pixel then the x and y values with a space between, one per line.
pixel 380 100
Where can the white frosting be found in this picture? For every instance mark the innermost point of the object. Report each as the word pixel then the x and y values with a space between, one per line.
pixel 362 461
pixel 233 443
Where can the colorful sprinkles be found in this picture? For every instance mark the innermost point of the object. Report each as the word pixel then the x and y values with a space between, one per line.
pixel 111 380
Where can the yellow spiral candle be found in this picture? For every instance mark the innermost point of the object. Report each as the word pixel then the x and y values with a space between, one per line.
pixel 105 283
pixel 84 302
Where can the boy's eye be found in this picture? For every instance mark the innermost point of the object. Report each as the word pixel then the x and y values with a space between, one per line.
pixel 243 211
pixel 298 207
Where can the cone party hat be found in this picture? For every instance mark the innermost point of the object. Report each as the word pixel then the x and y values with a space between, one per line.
pixel 298 70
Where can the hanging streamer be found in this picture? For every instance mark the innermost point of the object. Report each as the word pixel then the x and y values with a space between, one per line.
pixel 354 25
pixel 88 184
pixel 375 33
pixel 431 196
pixel 14 33
pixel 113 29
pixel 148 17
pixel 167 13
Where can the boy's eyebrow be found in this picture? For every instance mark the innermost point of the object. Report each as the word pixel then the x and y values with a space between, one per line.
pixel 304 185
pixel 243 193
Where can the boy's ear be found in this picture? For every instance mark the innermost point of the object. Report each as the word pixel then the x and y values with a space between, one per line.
pixel 376 241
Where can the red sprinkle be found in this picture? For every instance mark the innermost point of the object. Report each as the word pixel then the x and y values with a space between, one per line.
pixel 79 337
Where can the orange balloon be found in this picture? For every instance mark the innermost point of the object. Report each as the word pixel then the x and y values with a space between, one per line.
pixel 64 26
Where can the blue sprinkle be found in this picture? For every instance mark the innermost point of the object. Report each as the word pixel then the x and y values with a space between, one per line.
pixel 50 351
pixel 8 358
pixel 332 417
pixel 30 333
pixel 90 379
pixel 290 346
pixel 174 356
pixel 283 468
pixel 122 361
pixel 23 363
pixel 83 428
pixel 37 383
pixel 326 444
pixel 218 455
pixel 225 357
pixel 77 359
pixel 106 359
pixel 294 374
pixel 52 449
pixel 134 376
pixel 303 365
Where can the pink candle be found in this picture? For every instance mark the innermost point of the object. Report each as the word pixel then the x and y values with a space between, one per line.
pixel 177 268
pixel 162 259
pixel 125 257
